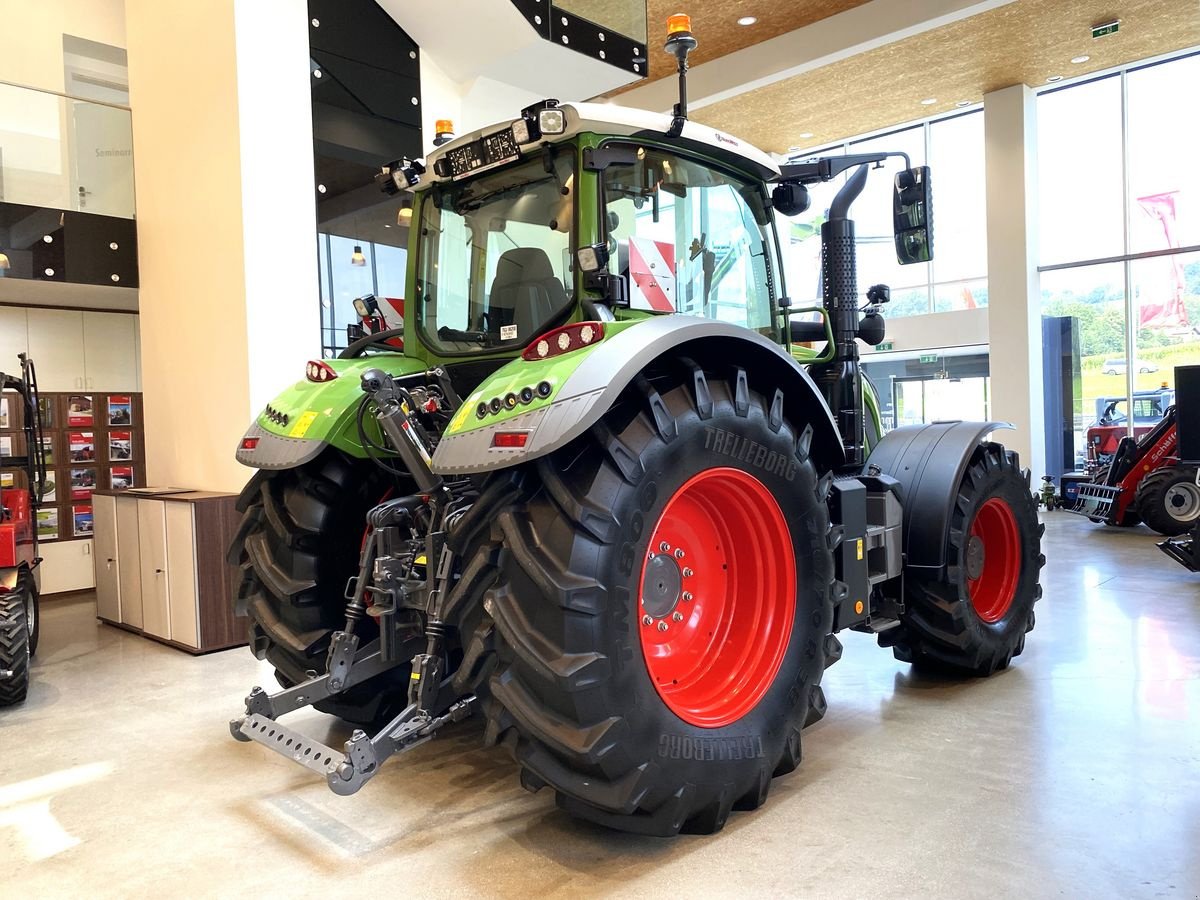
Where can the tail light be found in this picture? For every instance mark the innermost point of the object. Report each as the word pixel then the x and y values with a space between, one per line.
pixel 319 371
pixel 564 340
pixel 510 439
pixel 249 443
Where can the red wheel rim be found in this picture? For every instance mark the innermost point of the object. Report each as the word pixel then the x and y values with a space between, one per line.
pixel 717 598
pixel 993 560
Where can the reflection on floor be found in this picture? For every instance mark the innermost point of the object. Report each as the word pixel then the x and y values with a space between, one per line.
pixel 1076 773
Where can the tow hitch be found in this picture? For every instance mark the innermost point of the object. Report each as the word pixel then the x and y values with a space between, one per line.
pixel 400 587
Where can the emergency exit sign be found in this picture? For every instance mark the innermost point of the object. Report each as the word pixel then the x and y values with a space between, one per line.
pixel 886 345
pixel 929 357
pixel 1099 31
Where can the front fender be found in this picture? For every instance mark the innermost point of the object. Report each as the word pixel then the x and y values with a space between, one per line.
pixel 929 462
pixel 586 383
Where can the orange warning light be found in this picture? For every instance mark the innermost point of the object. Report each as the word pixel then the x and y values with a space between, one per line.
pixel 858 607
pixel 443 126
pixel 677 23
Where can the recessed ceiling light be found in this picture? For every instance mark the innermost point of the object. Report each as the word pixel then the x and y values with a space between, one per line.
pixel 805 135
pixel 792 149
pixel 1080 59
pixel 1054 79
pixel 929 101
pixel 747 20
pixel 49 239
pixel 961 103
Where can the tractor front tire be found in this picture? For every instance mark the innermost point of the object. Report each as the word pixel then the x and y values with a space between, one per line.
pixel 1168 500
pixel 662 615
pixel 974 620
pixel 297 546
pixel 18 624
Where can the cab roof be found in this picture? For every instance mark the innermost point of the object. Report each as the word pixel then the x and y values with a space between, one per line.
pixel 621 121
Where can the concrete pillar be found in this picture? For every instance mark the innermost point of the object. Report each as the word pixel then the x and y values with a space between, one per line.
pixel 1014 297
pixel 222 135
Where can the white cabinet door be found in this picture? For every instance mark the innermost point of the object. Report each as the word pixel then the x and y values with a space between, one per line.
pixel 110 354
pixel 181 573
pixel 14 338
pixel 129 565
pixel 152 541
pixel 56 345
pixel 108 580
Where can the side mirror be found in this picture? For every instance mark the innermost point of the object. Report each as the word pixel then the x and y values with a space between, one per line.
pixel 912 216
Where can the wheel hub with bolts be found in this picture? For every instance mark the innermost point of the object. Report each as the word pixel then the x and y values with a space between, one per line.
pixel 976 556
pixel 1183 501
pixel 714 631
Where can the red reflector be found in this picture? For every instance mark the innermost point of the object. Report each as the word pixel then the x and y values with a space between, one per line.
pixel 564 340
pixel 510 438
pixel 319 371
pixel 249 443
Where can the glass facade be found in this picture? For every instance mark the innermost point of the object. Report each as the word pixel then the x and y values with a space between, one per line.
pixel 1120 246
pixel 342 282
pixel 957 276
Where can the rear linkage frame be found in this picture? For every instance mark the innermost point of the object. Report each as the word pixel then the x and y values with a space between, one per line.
pixel 401 598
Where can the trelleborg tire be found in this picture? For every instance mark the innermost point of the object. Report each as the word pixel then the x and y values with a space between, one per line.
pixel 297 545
pixel 15 640
pixel 1168 500
pixel 657 689
pixel 974 620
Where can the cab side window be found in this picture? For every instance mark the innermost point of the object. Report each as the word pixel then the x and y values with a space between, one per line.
pixel 689 238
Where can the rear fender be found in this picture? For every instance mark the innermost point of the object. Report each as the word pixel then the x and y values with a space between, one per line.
pixel 297 424
pixel 929 462
pixel 586 383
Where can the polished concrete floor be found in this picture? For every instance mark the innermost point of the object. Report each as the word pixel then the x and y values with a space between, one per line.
pixel 1074 774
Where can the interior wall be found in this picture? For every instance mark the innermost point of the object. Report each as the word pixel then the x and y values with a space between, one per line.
pixel 961 328
pixel 227 222
pixel 31 45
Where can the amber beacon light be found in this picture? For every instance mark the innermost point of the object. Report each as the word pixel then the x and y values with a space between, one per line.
pixel 679 23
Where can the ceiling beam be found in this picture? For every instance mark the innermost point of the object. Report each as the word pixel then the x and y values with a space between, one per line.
pixel 830 40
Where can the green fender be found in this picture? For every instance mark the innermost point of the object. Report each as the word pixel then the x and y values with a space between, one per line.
pixel 309 416
pixel 582 385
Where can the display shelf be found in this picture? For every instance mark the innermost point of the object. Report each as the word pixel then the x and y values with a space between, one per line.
pixel 94 440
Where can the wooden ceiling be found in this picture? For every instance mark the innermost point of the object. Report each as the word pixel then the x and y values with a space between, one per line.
pixel 1028 41
pixel 714 22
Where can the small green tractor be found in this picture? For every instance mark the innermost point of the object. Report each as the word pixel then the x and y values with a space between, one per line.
pixel 603 496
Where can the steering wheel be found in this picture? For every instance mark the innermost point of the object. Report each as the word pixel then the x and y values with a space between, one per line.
pixel 379 340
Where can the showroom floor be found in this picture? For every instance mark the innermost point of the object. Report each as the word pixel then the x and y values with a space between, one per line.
pixel 1074 774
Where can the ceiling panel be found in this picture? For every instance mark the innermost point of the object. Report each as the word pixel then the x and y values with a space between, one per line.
pixel 714 22
pixel 1026 42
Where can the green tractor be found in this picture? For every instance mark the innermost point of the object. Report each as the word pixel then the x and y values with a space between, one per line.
pixel 602 496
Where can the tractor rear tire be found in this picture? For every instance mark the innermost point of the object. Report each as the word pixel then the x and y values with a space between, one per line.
pixel 1168 500
pixel 974 620
pixel 16 638
pixel 297 545
pixel 608 685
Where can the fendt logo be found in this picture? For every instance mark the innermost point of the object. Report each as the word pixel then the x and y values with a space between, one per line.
pixel 750 452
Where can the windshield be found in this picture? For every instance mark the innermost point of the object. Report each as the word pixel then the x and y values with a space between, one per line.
pixel 495 260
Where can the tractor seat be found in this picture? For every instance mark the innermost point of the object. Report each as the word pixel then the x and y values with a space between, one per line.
pixel 525 292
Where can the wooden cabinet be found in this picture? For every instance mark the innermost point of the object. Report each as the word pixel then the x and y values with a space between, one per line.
pixel 56 345
pixel 108 573
pixel 74 350
pixel 172 582
pixel 110 352
pixel 14 338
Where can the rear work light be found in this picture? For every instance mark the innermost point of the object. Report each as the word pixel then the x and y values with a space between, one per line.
pixel 510 439
pixel 319 371
pixel 564 340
